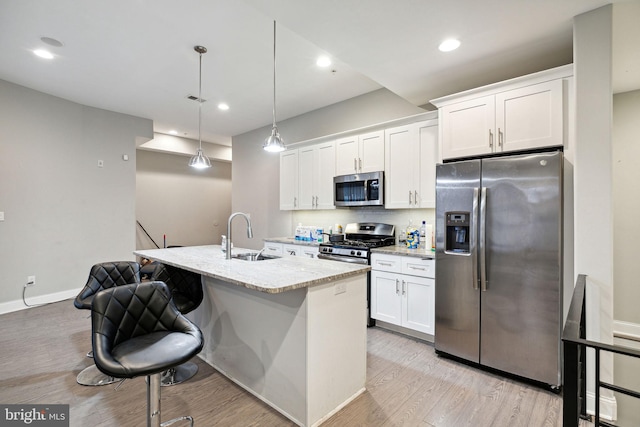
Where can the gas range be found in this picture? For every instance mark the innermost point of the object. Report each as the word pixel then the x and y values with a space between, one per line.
pixel 360 237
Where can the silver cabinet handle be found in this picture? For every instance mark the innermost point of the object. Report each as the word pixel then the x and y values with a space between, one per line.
pixel 417 268
pixel 359 164
pixel 355 164
pixel 483 236
pixel 415 197
pixel 404 287
pixel 500 138
pixel 397 287
pixel 472 240
pixel 490 138
pixel 410 202
pixel 295 202
pixel 385 263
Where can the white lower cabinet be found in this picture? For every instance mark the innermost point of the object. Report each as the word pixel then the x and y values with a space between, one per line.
pixel 403 291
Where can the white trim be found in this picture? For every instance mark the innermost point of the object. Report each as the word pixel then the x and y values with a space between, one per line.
pixel 608 406
pixel 17 305
pixel 626 330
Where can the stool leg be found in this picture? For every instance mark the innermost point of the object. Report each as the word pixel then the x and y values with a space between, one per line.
pixel 153 400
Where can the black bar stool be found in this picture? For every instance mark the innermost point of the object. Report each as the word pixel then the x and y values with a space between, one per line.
pixel 138 331
pixel 103 276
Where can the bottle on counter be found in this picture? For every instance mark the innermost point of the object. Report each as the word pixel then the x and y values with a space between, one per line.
pixel 423 231
pixel 413 236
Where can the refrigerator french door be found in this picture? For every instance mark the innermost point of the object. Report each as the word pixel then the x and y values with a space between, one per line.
pixel 499 263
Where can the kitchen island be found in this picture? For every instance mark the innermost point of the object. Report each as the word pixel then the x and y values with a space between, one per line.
pixel 290 330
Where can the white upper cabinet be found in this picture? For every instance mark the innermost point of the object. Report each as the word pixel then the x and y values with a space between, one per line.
pixel 410 162
pixel 306 177
pixel 520 114
pixel 289 180
pixel 360 153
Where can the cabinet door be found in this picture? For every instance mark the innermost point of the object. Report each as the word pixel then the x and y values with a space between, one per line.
pixel 289 180
pixel 347 155
pixel 306 169
pixel 326 170
pixel 401 167
pixel 386 302
pixel 530 117
pixel 418 295
pixel 468 128
pixel 371 158
pixel 428 146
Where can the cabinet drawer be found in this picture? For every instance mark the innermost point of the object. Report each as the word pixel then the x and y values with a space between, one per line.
pixel 415 266
pixel 389 263
pixel 273 248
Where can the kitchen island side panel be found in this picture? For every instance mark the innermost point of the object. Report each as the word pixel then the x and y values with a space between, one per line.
pixel 258 340
pixel 303 351
pixel 336 345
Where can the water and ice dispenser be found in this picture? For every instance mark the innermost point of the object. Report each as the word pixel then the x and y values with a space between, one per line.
pixel 458 232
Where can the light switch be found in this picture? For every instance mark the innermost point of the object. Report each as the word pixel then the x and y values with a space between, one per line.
pixel 1 216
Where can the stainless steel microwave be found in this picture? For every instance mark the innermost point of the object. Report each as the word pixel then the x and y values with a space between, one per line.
pixel 361 189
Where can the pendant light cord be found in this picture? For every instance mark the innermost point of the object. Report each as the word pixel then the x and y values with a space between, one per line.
pixel 274 74
pixel 200 104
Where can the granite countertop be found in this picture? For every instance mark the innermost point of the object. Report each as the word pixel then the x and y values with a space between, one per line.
pixel 291 241
pixel 270 276
pixel 404 251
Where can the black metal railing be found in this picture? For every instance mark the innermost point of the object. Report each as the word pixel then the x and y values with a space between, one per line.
pixel 575 347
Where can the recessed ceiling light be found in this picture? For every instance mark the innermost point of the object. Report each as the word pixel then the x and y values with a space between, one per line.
pixel 323 61
pixel 449 45
pixel 43 53
pixel 173 132
pixel 223 106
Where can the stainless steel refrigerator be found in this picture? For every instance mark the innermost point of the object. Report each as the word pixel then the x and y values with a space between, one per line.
pixel 499 263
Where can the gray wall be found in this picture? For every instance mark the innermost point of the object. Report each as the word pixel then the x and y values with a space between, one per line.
pixel 62 212
pixel 256 173
pixel 190 206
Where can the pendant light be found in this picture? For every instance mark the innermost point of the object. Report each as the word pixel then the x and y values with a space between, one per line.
pixel 200 161
pixel 274 143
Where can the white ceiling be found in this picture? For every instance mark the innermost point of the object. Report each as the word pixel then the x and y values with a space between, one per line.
pixel 136 56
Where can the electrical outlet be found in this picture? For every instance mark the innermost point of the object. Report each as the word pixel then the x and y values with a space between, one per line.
pixel 31 280
pixel 341 288
pixel 100 163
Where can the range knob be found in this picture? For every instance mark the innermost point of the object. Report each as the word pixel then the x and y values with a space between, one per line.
pixel 353 252
pixel 359 253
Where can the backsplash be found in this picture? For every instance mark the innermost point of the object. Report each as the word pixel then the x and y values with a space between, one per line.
pixel 328 218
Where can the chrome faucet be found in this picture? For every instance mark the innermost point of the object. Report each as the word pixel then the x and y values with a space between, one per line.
pixel 249 231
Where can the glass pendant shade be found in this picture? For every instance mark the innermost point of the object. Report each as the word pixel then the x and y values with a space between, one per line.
pixel 200 161
pixel 273 143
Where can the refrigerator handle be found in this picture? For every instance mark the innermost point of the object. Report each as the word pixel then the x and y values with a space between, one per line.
pixel 483 238
pixel 473 239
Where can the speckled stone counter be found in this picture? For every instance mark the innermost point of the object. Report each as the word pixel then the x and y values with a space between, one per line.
pixel 271 276
pixel 292 330
pixel 404 251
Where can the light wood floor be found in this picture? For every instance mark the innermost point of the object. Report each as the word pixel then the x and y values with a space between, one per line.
pixel 42 350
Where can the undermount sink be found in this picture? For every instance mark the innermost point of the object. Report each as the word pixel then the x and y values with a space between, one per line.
pixel 253 256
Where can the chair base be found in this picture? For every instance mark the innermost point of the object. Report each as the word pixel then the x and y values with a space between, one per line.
pixel 92 376
pixel 153 404
pixel 179 374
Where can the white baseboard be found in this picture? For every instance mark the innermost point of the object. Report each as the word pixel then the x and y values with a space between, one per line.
pixel 17 305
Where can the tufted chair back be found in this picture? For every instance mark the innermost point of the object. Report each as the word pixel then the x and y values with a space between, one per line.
pixel 104 276
pixel 137 330
pixel 185 286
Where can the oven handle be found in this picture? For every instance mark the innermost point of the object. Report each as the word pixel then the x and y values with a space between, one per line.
pixel 344 259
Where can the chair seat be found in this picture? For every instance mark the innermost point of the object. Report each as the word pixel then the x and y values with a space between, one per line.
pixel 149 354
